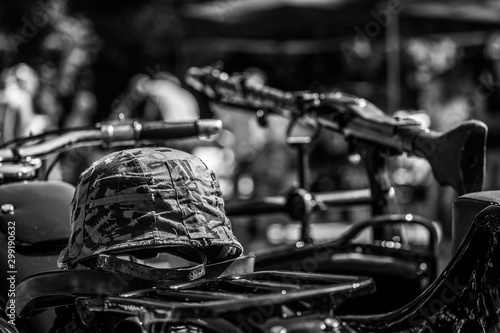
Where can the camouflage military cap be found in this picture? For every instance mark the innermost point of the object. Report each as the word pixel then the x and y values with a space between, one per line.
pixel 144 199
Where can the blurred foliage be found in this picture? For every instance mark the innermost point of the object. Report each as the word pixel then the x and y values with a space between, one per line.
pixel 137 33
pixel 94 45
pixel 100 44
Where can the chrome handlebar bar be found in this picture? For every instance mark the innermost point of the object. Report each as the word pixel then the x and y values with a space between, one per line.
pixel 109 134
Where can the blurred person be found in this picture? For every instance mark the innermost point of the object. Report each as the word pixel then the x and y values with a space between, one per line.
pixel 160 97
pixel 26 78
pixel 24 87
pixel 167 100
pixel 16 102
pixel 29 80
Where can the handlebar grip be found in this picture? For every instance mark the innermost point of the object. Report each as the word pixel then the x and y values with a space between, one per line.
pixel 159 130
pixel 203 128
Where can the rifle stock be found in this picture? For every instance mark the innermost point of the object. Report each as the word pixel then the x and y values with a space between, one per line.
pixel 457 156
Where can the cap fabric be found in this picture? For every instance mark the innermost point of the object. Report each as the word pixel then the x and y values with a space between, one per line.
pixel 144 199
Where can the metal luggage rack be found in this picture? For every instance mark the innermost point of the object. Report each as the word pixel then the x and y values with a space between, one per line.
pixel 253 300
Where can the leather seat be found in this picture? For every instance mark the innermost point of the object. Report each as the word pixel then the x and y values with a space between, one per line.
pixel 465 208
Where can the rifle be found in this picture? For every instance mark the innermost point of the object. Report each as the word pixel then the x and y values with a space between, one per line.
pixel 457 156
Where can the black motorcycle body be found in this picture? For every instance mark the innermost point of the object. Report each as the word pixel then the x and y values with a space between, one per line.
pixel 463 298
pixel 34 219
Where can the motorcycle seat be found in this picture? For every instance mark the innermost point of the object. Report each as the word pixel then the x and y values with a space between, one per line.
pixel 465 208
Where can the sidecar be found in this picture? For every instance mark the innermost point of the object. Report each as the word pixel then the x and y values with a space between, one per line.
pixel 464 298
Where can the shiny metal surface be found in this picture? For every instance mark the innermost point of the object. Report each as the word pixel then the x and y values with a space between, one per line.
pixel 65 141
pixel 108 134
pixel 395 266
pixel 208 127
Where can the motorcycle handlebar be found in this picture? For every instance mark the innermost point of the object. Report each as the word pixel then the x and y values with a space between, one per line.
pixel 110 134
pixel 159 130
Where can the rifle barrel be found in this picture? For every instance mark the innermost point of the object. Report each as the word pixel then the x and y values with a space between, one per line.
pixel 457 157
